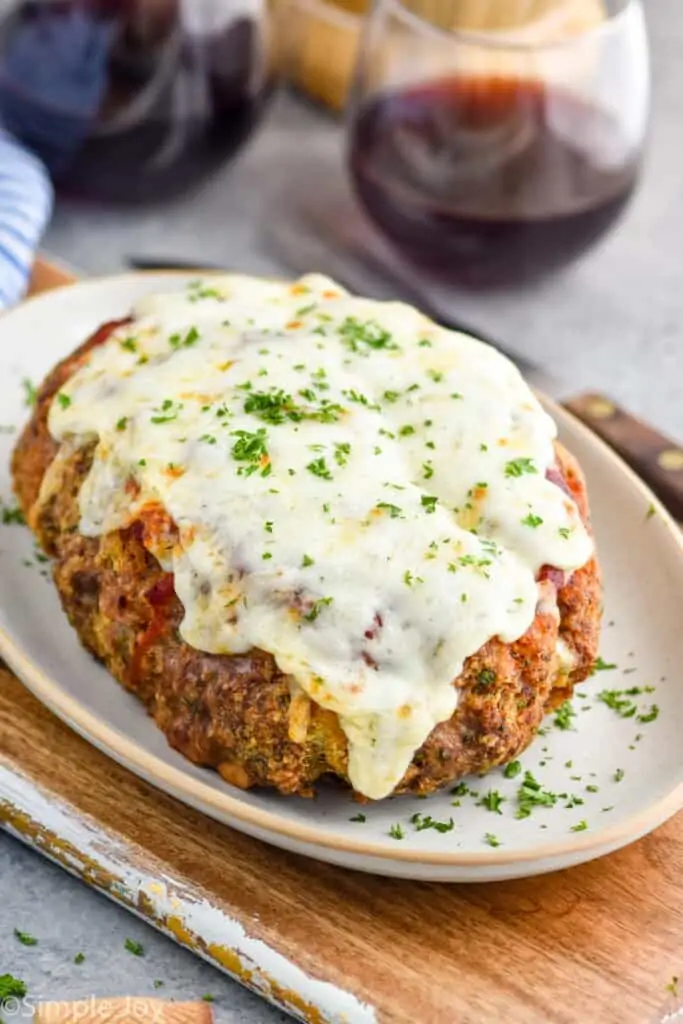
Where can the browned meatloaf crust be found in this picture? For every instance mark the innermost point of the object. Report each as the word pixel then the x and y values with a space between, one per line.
pixel 236 713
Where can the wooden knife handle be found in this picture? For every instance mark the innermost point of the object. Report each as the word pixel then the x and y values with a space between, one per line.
pixel 654 457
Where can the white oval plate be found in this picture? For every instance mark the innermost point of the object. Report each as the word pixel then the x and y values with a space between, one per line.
pixel 628 774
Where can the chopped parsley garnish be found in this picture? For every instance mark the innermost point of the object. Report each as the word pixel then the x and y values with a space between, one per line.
pixel 531 794
pixel 492 801
pixel 619 701
pixel 208 439
pixel 512 769
pixel 358 817
pixel 394 511
pixel 306 561
pixel 122 423
pixel 396 832
pixel 435 376
pixel 425 343
pixel 425 821
pixel 208 998
pixel 136 948
pixel 79 958
pixel 316 608
pixel 462 789
pixel 651 511
pixel 251 448
pixel 158 983
pixel 359 336
pixel 12 516
pixel 563 715
pixel 532 520
pixel 24 938
pixel 564 532
pixel 600 665
pixel 672 986
pixel 580 827
pixel 406 430
pixel 342 450
pixel 304 310
pixel 319 468
pixel 618 775
pixel 486 677
pixel 63 400
pixel 276 406
pixel 518 467
pixel 427 470
pixel 198 290
pixel 391 396
pixel 178 341
pixel 491 840
pixel 129 344
pixel 30 392
pixel 167 411
pixel 428 502
pixel 11 988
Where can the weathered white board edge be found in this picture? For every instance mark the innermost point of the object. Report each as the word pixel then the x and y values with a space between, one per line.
pixel 82 847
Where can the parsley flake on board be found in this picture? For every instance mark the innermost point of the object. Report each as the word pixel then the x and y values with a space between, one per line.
pixel 491 840
pixel 79 958
pixel 11 988
pixel 512 769
pixel 396 832
pixel 24 938
pixel 136 948
pixel 532 521
pixel 358 817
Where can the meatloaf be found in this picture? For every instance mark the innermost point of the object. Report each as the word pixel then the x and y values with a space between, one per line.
pixel 246 713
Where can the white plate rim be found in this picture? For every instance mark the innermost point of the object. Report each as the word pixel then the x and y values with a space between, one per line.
pixel 193 792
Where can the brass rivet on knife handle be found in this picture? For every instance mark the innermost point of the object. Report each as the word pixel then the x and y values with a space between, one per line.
pixel 657 459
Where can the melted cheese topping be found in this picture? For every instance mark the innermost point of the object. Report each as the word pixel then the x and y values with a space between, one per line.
pixel 357 491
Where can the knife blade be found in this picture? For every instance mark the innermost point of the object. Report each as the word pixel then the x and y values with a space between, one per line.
pixel 655 458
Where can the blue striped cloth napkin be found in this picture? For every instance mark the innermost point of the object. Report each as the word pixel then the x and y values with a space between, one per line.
pixel 25 208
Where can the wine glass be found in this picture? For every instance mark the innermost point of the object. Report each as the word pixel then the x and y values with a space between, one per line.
pixel 495 153
pixel 133 100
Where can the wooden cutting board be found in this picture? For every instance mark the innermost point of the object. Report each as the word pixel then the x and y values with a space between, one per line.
pixel 598 943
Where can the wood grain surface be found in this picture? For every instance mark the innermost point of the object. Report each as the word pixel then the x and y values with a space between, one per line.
pixel 598 943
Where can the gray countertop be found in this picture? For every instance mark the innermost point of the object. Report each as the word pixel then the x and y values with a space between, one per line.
pixel 613 322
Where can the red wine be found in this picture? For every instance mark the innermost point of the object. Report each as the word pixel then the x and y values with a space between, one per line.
pixel 130 100
pixel 490 180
